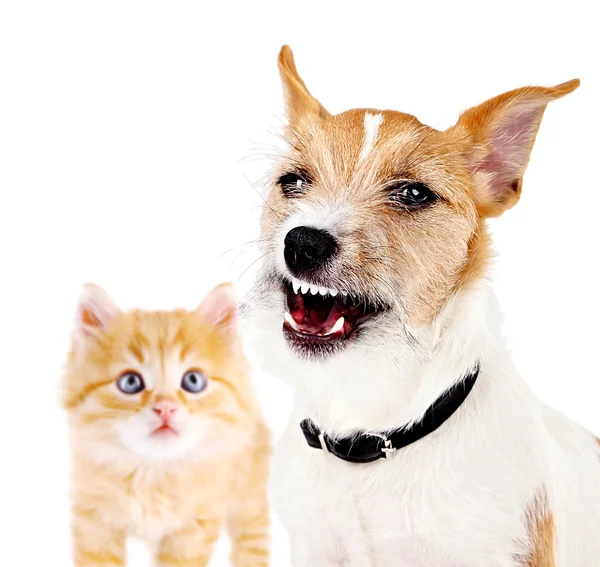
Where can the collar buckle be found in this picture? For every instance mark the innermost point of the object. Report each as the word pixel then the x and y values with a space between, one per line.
pixel 321 437
pixel 389 449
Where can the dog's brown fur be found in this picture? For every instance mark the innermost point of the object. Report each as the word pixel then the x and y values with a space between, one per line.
pixel 541 532
pixel 438 250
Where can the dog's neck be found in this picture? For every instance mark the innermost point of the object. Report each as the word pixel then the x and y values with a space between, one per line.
pixel 393 381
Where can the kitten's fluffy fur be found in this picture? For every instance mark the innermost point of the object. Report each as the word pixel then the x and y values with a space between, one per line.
pixel 174 490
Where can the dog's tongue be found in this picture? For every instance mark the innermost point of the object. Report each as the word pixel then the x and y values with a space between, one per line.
pixel 316 315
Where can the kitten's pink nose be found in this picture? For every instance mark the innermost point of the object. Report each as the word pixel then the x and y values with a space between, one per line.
pixel 165 409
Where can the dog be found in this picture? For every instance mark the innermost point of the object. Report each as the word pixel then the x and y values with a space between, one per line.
pixel 413 441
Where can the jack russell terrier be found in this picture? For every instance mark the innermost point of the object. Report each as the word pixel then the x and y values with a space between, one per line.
pixel 413 440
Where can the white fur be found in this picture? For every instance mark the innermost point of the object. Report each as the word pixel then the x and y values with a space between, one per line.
pixel 372 123
pixel 457 497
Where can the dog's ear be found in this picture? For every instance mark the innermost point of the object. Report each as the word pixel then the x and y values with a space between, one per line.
pixel 500 134
pixel 300 104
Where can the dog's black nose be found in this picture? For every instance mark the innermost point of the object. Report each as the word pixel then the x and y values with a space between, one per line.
pixel 307 248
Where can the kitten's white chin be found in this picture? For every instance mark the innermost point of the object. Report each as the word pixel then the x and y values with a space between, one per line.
pixel 135 442
pixel 162 445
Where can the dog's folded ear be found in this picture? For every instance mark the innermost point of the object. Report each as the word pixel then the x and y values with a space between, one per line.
pixel 499 135
pixel 300 104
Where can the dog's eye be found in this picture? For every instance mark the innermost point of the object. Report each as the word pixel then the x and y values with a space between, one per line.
pixel 131 383
pixel 411 194
pixel 293 184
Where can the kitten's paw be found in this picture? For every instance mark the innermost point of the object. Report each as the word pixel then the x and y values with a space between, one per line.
pixel 249 554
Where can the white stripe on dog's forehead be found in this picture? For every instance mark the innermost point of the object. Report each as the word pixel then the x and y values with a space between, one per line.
pixel 372 123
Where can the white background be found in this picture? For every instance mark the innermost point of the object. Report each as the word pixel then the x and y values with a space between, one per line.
pixel 127 131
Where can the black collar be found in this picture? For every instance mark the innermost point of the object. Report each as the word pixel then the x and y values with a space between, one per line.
pixel 367 446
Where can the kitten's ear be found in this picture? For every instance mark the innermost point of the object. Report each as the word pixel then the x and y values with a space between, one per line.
pixel 94 311
pixel 219 308
pixel 300 104
pixel 501 133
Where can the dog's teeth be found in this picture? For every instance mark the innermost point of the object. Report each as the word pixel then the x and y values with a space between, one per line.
pixel 332 292
pixel 290 321
pixel 295 285
pixel 339 325
pixel 304 287
pixel 323 290
pixel 314 289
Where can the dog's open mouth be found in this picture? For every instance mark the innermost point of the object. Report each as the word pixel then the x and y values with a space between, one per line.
pixel 319 315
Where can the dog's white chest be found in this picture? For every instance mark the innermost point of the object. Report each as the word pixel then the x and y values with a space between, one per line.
pixel 334 516
pixel 394 512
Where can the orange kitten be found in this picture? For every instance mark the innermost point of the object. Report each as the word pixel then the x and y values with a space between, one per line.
pixel 168 441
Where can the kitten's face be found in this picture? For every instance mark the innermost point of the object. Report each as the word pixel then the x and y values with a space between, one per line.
pixel 159 385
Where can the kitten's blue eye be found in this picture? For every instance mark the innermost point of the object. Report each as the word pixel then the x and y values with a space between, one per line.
pixel 194 381
pixel 131 383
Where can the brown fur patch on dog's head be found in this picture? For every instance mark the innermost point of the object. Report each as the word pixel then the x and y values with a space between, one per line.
pixel 353 163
